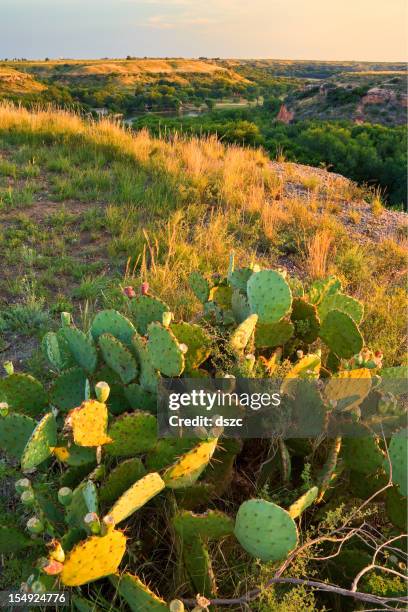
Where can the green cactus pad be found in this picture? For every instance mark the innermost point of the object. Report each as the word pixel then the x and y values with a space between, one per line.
pixel 199 286
pixel 82 348
pixel 146 309
pixel 68 390
pixel 83 605
pixel 265 530
pixel 242 334
pixel 74 455
pixel 305 319
pixel 398 451
pixel 93 558
pixel 303 502
pixel 196 339
pixel 136 496
pixel 41 443
pixel 113 323
pixel 396 506
pixel 339 332
pixel 364 487
pixel 24 394
pixel 56 350
pixel 73 475
pixel 240 306
pixel 221 295
pixel 118 358
pixel 344 303
pixel 269 296
pixel 13 540
pixel 362 454
pixel 148 376
pixel 121 478
pixel 52 350
pixel 48 504
pixel 212 525
pixel 139 399
pixel 15 431
pixel 269 335
pixel 197 562
pixel 239 278
pixel 190 466
pixel 84 500
pixel 138 595
pixel 322 288
pixel 164 351
pixel 196 496
pixel 132 434
pixel 166 452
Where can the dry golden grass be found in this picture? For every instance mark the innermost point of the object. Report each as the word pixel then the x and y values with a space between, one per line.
pixel 318 249
pixel 16 82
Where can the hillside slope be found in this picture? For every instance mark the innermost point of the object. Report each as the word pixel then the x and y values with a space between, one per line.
pixel 88 207
pixel 125 73
pixel 16 82
pixel 375 97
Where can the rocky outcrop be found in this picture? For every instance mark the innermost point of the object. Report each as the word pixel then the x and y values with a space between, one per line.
pixel 285 115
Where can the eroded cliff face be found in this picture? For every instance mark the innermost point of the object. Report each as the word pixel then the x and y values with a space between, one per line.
pixel 285 115
pixel 380 97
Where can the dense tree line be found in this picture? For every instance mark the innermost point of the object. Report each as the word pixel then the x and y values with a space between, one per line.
pixel 369 154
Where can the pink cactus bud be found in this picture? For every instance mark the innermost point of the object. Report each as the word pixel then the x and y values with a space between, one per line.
pixel 129 292
pixel 53 568
pixel 144 288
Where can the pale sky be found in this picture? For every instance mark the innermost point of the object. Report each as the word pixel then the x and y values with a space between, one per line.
pixel 373 30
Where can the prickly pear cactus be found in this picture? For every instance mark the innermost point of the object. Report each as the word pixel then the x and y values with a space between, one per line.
pixel 123 476
pixel 148 377
pixel 89 423
pixel 146 309
pixel 190 466
pixel 306 320
pixel 82 348
pixel 41 443
pixel 132 434
pixel 342 302
pixel 94 558
pixel 269 296
pixel 341 334
pixel 199 286
pixel 113 323
pixel 269 335
pixel 301 504
pixel 164 350
pixel 24 394
pixel 242 334
pixel 69 389
pixel 137 594
pixel 15 431
pixel 135 497
pixel 265 530
pixel 118 358
pixel 398 451
pixel 196 339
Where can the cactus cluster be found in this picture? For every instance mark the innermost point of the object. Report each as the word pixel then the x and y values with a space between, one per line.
pixel 95 431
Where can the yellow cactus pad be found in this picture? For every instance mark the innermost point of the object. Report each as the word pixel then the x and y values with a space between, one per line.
pixel 307 366
pixel 188 468
pixel 61 452
pixel 135 497
pixel 89 424
pixel 94 558
pixel 350 383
